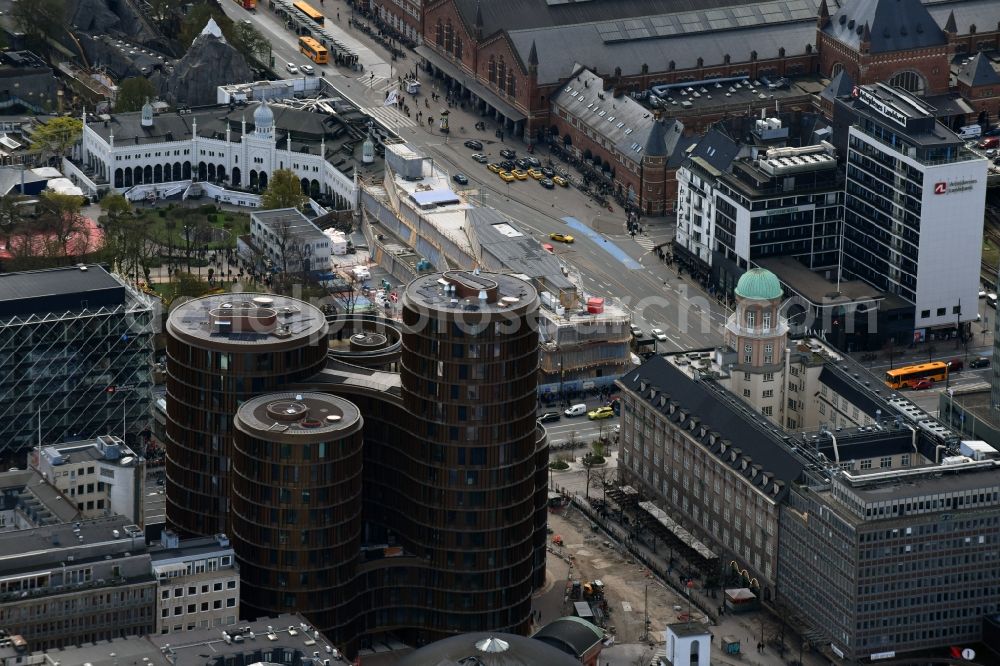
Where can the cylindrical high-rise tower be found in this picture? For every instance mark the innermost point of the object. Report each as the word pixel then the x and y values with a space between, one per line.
pixel 297 508
pixel 222 350
pixel 469 502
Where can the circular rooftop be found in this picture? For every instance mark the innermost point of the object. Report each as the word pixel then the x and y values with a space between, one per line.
pixel 294 417
pixel 489 649
pixel 240 321
pixel 471 291
pixel 759 284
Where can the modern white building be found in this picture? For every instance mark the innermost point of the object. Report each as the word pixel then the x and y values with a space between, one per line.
pixel 290 240
pixel 102 476
pixel 915 198
pixel 227 152
pixel 777 192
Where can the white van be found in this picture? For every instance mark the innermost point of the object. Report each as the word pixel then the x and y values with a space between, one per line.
pixel 970 132
pixel 361 273
pixel 576 410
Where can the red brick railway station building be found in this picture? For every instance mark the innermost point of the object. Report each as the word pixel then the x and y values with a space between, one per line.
pixel 516 61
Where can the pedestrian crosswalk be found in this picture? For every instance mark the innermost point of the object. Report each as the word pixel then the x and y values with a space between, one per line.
pixel 389 116
pixel 646 243
pixel 380 83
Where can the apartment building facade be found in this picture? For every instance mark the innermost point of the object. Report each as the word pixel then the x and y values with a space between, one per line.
pixel 198 583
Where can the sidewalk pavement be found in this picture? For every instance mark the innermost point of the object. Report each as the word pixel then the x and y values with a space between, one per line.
pixel 745 627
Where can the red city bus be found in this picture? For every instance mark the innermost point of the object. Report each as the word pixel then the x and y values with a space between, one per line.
pixel 247 4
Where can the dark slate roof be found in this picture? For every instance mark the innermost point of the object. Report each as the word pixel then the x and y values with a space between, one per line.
pixel 559 48
pixel 978 12
pixel 620 121
pixel 717 149
pixel 721 422
pixel 851 391
pixel 840 86
pixel 516 14
pixel 572 635
pixel 520 651
pixel 978 72
pixel 655 144
pixel 896 25
pixel 59 290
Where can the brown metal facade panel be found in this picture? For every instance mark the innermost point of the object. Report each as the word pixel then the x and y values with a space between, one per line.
pixel 429 521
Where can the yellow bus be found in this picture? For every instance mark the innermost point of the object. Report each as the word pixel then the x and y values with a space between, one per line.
pixel 316 51
pixel 911 375
pixel 308 10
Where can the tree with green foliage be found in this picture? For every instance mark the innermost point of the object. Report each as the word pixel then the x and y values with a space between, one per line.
pixel 40 19
pixel 251 44
pixel 61 222
pixel 57 136
pixel 198 17
pixel 11 216
pixel 284 190
pixel 128 243
pixel 133 93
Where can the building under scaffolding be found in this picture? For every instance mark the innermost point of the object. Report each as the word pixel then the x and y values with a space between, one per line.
pixel 583 348
pixel 76 347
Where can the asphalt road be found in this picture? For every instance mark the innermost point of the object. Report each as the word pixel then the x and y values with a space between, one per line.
pixel 610 263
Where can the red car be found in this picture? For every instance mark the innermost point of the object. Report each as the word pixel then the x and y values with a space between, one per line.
pixel 922 384
pixel 548 248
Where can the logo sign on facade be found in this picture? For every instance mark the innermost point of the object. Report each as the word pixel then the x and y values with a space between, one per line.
pixel 836 650
pixel 883 655
pixel 880 107
pixel 955 186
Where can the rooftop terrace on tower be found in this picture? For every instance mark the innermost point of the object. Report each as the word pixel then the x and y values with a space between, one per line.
pixel 238 321
pixel 471 292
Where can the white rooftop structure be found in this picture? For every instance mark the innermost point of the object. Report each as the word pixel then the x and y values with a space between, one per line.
pixel 212 28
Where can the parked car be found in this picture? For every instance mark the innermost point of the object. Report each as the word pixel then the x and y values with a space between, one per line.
pixel 548 172
pixel 532 161
pixel 520 174
pixel 547 183
pixel 507 153
pixel 495 167
pixel 576 410
pixel 507 177
pixel 560 181
pixel 479 157
pixel 474 145
pixel 535 173
pixel 989 142
pixel 549 416
pixel 980 362
pixel 460 178
pixel 292 69
pixel 507 165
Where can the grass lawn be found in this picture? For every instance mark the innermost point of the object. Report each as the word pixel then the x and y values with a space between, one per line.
pixel 216 230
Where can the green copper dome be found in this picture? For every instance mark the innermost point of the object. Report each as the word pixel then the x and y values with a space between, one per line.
pixel 758 284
